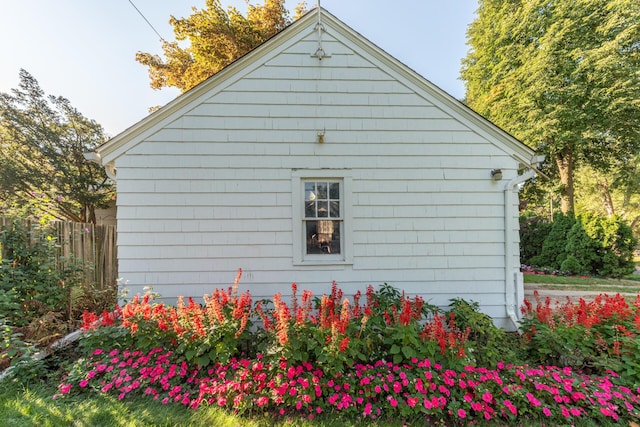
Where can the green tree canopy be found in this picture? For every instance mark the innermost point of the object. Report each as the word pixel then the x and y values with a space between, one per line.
pixel 561 75
pixel 216 37
pixel 42 144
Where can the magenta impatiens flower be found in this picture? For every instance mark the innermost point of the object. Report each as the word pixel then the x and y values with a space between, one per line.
pixel 533 400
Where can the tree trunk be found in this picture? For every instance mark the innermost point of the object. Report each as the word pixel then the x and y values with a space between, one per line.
pixel 603 186
pixel 564 161
pixel 91 214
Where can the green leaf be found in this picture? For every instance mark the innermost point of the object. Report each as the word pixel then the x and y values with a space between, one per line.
pixel 408 352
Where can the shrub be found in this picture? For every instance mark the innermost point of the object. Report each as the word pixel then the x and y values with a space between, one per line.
pixel 488 344
pixel 31 283
pixel 582 251
pixel 533 231
pixel 616 244
pixel 588 244
pixel 554 250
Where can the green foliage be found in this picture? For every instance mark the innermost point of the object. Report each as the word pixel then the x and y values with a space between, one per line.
pixel 533 231
pixel 42 145
pixel 32 280
pixel 593 336
pixel 488 344
pixel 554 250
pixel 612 192
pixel 216 38
pixel 562 77
pixel 588 244
pixel 582 251
pixel 616 244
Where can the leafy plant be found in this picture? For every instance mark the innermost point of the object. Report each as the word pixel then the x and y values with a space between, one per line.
pixel 488 344
pixel 33 280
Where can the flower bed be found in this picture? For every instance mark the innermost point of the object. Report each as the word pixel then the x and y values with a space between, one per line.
pixel 389 357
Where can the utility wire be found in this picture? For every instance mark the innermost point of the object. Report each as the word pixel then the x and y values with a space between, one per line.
pixel 147 21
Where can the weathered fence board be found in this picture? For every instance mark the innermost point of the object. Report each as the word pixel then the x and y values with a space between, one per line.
pixel 94 245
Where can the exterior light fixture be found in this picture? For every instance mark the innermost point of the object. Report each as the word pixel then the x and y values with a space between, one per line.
pixel 496 174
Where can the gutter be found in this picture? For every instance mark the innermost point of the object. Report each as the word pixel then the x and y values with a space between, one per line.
pixel 109 168
pixel 513 292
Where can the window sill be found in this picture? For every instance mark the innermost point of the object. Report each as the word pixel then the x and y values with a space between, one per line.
pixel 318 262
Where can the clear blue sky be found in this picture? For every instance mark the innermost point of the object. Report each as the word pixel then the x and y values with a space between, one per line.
pixel 85 50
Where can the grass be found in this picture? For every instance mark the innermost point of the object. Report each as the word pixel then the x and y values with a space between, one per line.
pixel 35 406
pixel 631 281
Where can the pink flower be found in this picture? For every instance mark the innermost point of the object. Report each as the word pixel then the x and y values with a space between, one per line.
pixel 367 409
pixel 511 407
pixel 532 399
pixel 462 413
pixel 487 396
pixel 83 383
pixel 546 411
pixel 477 406
pixel 65 388
pixel 393 402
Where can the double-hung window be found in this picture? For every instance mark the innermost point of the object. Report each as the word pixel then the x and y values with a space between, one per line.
pixel 321 213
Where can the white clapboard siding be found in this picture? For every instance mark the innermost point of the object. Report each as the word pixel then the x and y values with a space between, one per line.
pixel 208 188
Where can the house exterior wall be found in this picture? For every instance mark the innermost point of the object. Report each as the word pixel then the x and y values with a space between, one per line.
pixel 211 191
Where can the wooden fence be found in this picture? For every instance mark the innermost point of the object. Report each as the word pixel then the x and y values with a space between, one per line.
pixel 94 245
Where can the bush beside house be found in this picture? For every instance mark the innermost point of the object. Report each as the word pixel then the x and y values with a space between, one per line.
pixel 584 244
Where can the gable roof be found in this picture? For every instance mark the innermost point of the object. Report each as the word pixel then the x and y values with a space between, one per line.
pixel 129 138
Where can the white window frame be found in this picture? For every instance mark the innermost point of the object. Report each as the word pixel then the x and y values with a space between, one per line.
pixel 298 179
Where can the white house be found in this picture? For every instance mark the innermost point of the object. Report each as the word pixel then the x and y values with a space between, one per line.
pixel 319 157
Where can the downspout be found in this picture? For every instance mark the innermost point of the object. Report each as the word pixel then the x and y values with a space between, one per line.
pixel 511 276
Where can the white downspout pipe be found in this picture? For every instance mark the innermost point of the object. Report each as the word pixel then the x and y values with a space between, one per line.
pixel 513 294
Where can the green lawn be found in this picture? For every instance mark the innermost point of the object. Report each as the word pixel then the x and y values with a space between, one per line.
pixel 36 407
pixel 628 285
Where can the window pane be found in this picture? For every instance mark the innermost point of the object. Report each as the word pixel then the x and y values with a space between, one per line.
pixel 334 190
pixel 323 209
pixel 335 209
pixel 322 190
pixel 309 191
pixel 310 209
pixel 323 237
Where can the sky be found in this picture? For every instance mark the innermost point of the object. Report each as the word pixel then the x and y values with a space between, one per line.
pixel 84 50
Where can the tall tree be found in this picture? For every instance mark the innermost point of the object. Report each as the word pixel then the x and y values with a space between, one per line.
pixel 42 144
pixel 215 39
pixel 616 192
pixel 561 75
